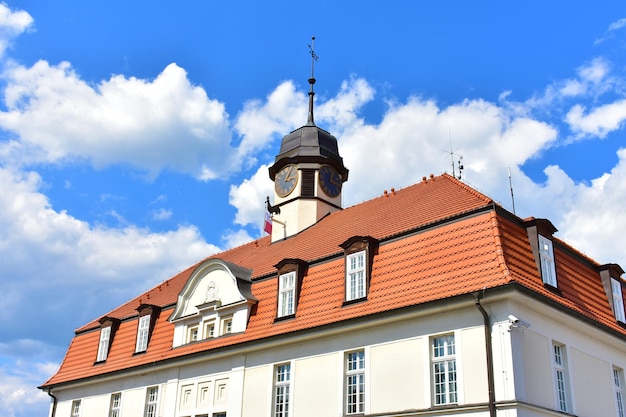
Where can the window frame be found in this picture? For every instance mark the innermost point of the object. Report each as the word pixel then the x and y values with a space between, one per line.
pixel 143 330
pixel 356 275
pixel 618 300
pixel 209 329
pixel 618 388
pixel 547 261
pixel 115 407
pixel 355 378
pixel 227 325
pixel 561 377
pixel 287 284
pixel 75 408
pixel 152 401
pixel 449 360
pixel 281 392
pixel 193 333
pixel 103 344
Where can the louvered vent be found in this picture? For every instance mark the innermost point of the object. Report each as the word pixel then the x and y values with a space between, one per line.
pixel 308 183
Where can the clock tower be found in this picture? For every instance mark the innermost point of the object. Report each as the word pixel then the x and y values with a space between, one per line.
pixel 308 175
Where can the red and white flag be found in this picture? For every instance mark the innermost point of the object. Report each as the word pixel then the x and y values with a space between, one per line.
pixel 267 227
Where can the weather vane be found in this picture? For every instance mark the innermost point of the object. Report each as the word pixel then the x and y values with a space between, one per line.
pixel 314 56
pixel 311 120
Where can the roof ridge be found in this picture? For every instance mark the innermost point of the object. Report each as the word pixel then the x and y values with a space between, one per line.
pixel 467 188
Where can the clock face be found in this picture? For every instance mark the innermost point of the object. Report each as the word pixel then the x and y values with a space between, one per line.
pixel 286 180
pixel 330 181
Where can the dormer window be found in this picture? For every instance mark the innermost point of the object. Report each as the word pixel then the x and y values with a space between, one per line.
pixel 290 275
pixel 359 256
pixel 546 253
pixel 618 300
pixel 142 334
pixel 103 346
pixel 108 327
pixel 540 233
pixel 355 276
pixel 147 318
pixel 286 294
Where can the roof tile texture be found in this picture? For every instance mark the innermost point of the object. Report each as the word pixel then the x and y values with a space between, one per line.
pixel 445 255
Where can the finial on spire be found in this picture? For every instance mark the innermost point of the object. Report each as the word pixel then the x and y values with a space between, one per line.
pixel 314 58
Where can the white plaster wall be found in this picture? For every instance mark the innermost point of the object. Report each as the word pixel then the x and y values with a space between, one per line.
pixel 257 393
pixel 592 378
pixel 396 376
pixel 473 364
pixel 318 391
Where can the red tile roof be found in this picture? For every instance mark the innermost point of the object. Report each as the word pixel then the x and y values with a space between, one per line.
pixel 439 239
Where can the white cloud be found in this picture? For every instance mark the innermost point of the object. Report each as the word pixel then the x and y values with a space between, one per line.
pixel 598 122
pixel 161 214
pixel 165 123
pixel 249 197
pixel 12 24
pixel 618 24
pixel 594 221
pixel 259 121
pixel 49 252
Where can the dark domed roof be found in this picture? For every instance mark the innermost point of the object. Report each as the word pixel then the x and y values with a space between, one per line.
pixel 309 143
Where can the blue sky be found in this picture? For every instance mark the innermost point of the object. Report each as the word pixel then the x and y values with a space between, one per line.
pixel 135 136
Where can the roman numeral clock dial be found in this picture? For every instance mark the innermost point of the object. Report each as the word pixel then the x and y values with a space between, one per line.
pixel 330 181
pixel 286 180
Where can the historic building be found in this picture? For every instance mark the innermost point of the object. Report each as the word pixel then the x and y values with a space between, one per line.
pixel 430 300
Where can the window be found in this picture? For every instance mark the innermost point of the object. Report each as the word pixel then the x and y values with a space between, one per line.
pixel 75 408
pixel 444 370
pixel 355 276
pixel 281 390
pixel 142 333
pixel 286 294
pixel 209 329
pixel 561 378
pixel 618 385
pixel 546 254
pixel 103 347
pixel 618 300
pixel 192 334
pixel 116 403
pixel 152 398
pixel 355 382
pixel 227 326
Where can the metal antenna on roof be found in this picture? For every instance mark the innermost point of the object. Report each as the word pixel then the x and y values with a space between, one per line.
pixel 511 186
pixel 459 162
pixel 314 58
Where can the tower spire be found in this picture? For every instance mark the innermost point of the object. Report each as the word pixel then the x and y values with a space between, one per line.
pixel 311 120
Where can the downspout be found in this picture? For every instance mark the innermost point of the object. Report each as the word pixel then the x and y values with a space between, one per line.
pixel 489 352
pixel 54 403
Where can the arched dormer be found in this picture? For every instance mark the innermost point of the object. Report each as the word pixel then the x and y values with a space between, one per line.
pixel 216 301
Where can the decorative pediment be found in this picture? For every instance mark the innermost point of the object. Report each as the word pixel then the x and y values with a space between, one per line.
pixel 214 284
